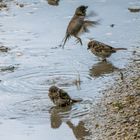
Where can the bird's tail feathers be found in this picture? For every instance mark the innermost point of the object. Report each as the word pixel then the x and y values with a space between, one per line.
pixel 76 100
pixel 116 49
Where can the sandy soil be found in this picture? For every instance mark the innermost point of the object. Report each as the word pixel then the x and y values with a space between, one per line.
pixel 117 116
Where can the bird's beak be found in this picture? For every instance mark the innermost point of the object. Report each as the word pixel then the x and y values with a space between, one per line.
pixel 88 46
pixel 86 7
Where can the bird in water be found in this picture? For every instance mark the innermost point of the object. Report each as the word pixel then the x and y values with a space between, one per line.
pixel 102 50
pixel 60 97
pixel 78 25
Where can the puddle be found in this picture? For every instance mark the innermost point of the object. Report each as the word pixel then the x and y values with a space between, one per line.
pixel 102 68
pixel 33 31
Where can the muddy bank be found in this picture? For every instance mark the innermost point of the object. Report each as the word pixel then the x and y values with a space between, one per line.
pixel 117 116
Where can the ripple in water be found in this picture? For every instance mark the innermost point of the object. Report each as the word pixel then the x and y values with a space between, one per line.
pixel 36 107
pixel 39 109
pixel 38 80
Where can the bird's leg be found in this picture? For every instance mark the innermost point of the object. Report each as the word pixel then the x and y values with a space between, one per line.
pixel 78 40
pixel 67 36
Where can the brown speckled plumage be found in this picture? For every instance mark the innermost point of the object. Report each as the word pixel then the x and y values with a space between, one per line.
pixel 102 50
pixel 60 97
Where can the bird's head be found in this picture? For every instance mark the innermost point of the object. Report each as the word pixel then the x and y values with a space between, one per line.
pixel 81 10
pixel 53 89
pixel 91 44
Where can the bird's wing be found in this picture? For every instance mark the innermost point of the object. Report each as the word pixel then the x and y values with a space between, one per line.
pixel 91 23
pixel 87 24
pixel 103 47
pixel 64 95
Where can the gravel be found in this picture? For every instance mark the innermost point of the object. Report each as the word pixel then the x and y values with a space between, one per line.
pixel 117 115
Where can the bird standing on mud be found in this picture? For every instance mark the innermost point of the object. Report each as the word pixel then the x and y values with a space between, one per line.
pixel 102 50
pixel 78 25
pixel 60 97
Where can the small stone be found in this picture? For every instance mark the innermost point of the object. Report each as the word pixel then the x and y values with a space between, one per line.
pixel 8 68
pixel 131 119
pixel 19 53
pixel 112 133
pixel 112 25
pixel 134 9
pixel 21 5
pixel 96 126
pixel 4 49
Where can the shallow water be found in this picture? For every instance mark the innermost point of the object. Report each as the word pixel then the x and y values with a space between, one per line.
pixel 35 62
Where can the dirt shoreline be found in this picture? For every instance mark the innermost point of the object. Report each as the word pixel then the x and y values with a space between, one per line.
pixel 117 115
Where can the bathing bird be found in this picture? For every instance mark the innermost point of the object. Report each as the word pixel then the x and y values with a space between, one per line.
pixel 60 97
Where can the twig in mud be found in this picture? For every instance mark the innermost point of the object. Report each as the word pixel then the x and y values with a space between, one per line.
pixel 77 82
pixel 122 76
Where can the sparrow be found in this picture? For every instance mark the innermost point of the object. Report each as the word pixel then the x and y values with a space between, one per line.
pixel 78 25
pixel 60 97
pixel 57 115
pixel 102 50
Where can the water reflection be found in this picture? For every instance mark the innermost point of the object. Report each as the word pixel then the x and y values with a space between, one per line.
pixel 102 68
pixel 58 115
pixel 79 130
pixel 53 2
